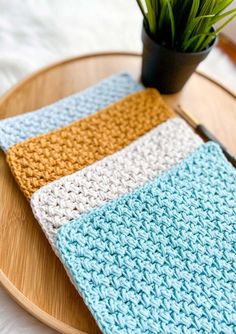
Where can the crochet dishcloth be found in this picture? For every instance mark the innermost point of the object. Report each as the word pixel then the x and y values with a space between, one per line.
pixel 65 199
pixel 43 159
pixel 161 259
pixel 16 129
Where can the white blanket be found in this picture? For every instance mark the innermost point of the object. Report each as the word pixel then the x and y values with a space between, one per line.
pixel 36 33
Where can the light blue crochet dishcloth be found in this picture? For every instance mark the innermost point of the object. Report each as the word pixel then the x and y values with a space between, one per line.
pixel 16 129
pixel 161 259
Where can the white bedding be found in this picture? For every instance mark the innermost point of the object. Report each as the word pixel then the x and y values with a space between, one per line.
pixel 36 33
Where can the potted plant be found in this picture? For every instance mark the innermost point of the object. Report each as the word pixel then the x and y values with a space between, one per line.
pixel 177 35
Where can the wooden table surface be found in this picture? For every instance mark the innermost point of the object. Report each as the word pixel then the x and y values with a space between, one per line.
pixel 30 271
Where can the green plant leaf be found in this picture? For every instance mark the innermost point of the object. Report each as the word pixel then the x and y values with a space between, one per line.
pixel 190 30
pixel 154 4
pixel 151 17
pixel 193 39
pixel 139 2
pixel 193 11
pixel 222 16
pixel 221 6
pixel 217 31
pixel 207 9
pixel 205 26
pixel 162 13
pixel 172 21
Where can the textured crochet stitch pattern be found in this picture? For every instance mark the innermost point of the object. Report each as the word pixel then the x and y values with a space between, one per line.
pixel 161 259
pixel 43 159
pixel 67 198
pixel 19 128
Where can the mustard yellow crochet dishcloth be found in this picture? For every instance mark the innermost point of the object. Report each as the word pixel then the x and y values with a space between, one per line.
pixel 43 159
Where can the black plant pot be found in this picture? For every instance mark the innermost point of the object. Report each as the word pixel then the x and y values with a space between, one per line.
pixel 166 69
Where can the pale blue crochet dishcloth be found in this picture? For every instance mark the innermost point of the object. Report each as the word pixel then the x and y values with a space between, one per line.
pixel 16 129
pixel 161 259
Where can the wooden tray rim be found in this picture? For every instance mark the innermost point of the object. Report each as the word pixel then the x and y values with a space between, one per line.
pixel 18 296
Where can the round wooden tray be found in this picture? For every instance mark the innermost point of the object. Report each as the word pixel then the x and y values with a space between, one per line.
pixel 30 271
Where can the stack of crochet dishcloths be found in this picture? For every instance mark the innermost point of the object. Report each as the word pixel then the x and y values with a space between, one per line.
pixel 139 210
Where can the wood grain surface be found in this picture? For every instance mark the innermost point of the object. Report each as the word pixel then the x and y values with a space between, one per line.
pixel 30 271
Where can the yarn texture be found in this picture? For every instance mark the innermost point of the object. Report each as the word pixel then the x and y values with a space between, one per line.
pixel 161 259
pixel 67 198
pixel 43 159
pixel 19 128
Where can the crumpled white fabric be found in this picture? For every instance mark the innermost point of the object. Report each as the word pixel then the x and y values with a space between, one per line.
pixel 36 33
pixel 15 320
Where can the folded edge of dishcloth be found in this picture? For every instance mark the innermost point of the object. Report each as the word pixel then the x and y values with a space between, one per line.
pixel 19 128
pixel 43 159
pixel 162 258
pixel 141 161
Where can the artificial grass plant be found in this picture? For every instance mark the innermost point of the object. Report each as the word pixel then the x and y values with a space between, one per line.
pixel 185 25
